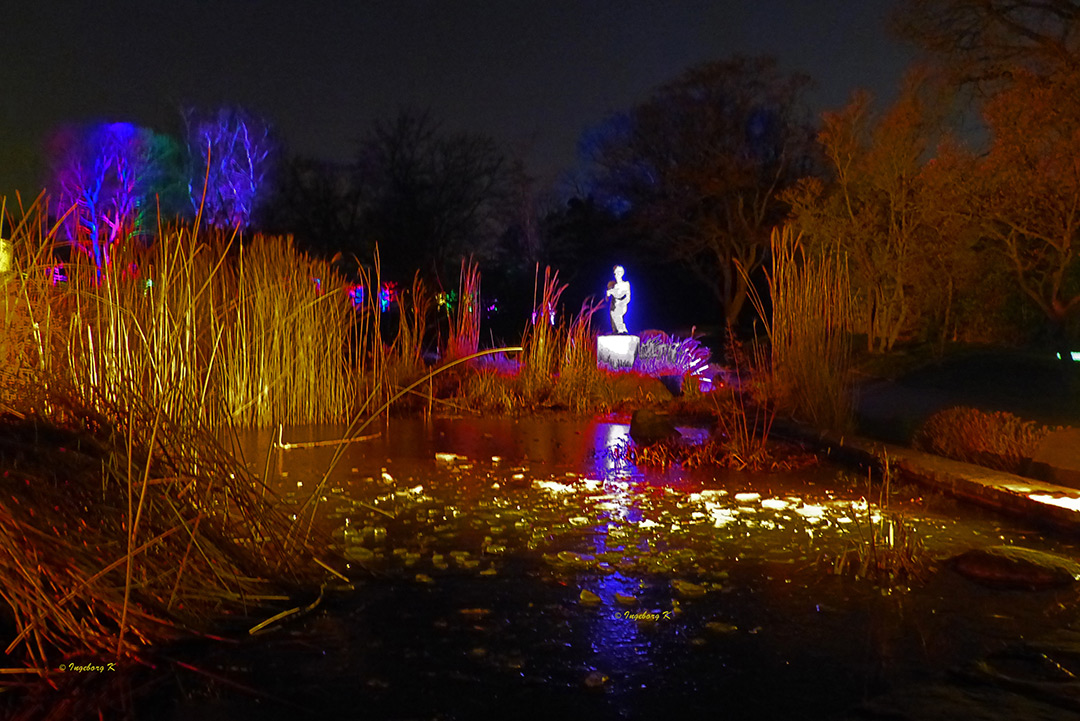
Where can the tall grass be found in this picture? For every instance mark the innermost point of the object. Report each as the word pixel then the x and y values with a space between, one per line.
pixel 286 327
pixel 542 342
pixel 745 410
pixel 581 385
pixel 463 338
pixel 213 330
pixel 120 527
pixel 809 332
pixel 222 331
pixel 888 552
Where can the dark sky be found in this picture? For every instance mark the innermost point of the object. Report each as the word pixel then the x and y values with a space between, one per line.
pixel 531 73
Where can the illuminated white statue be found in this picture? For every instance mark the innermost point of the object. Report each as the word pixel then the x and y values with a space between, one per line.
pixel 619 292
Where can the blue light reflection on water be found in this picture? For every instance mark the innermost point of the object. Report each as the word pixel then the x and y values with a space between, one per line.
pixel 615 639
pixel 684 667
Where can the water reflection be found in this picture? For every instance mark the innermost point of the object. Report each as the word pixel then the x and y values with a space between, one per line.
pixel 610 441
pixel 479 564
pixel 614 637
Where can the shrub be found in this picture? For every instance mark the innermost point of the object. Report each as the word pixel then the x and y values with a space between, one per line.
pixel 660 354
pixel 993 439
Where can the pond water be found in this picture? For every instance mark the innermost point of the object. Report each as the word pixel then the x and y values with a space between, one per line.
pixel 524 569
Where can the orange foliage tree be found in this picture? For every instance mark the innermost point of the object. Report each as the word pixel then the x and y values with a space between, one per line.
pixel 880 211
pixel 1026 188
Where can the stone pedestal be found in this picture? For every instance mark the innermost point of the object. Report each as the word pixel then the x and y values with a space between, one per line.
pixel 617 352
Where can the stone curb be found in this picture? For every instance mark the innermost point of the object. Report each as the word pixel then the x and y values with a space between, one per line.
pixel 1038 501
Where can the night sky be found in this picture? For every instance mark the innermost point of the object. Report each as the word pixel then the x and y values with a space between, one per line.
pixel 533 74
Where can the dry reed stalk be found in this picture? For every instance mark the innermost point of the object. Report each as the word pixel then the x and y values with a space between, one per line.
pixel 809 332
pixel 542 343
pixel 464 334
pixel 82 576
pixel 581 385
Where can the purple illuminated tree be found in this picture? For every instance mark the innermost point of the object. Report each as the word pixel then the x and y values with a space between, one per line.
pixel 104 179
pixel 233 154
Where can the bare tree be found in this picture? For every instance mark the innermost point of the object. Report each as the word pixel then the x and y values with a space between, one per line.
pixel 109 176
pixel 432 197
pixel 1028 189
pixel 320 203
pixel 701 164
pixel 982 41
pixel 879 210
pixel 232 154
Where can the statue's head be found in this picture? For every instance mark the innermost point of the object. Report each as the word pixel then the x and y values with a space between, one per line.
pixel 619 272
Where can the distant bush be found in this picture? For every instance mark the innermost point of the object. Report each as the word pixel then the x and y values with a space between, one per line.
pixel 996 440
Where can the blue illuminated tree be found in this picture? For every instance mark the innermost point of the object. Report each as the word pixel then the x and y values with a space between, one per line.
pixel 105 178
pixel 233 154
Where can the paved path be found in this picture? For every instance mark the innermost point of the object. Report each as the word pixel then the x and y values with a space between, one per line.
pixel 1044 503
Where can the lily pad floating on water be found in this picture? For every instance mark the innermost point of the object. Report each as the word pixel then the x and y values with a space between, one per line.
pixel 720 627
pixel 596 679
pixel 359 553
pixel 625 600
pixel 686 589
pixel 588 598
